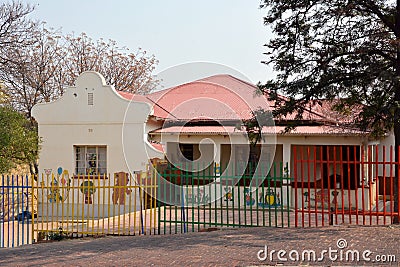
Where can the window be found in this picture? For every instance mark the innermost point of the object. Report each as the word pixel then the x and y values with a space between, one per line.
pixel 194 161
pixel 90 99
pixel 90 160
pixel 344 165
pixel 246 159
pixel 191 152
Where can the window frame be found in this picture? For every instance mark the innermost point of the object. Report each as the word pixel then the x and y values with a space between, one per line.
pixel 87 157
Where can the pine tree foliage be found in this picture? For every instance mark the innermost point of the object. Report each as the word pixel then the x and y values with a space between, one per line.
pixel 342 50
pixel 339 49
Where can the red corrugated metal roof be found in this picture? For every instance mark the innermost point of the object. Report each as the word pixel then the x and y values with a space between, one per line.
pixel 326 107
pixel 157 146
pixel 199 130
pixel 201 99
pixel 279 130
pixel 320 130
pixel 243 87
pixel 219 97
pixel 133 97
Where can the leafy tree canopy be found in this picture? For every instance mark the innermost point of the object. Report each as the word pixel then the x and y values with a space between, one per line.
pixel 16 31
pixel 337 49
pixel 18 140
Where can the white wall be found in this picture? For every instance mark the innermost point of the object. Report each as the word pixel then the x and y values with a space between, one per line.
pixel 385 147
pixel 111 121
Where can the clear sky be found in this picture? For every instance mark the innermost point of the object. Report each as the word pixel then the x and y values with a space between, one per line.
pixel 226 32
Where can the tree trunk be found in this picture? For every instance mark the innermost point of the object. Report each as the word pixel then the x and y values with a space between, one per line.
pixel 395 219
pixel 34 169
pixel 396 121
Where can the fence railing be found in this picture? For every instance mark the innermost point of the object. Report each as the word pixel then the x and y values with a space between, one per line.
pixel 345 184
pixel 15 210
pixel 199 198
pixel 81 205
pixel 327 185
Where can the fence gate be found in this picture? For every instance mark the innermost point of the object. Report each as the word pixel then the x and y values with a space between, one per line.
pixel 192 200
pixel 345 184
pixel 88 205
pixel 15 210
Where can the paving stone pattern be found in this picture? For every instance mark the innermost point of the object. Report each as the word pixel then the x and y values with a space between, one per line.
pixel 223 247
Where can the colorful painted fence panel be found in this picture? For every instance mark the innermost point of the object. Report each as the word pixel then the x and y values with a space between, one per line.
pixel 73 206
pixel 327 185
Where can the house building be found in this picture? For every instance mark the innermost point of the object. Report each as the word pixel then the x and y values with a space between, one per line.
pixel 94 129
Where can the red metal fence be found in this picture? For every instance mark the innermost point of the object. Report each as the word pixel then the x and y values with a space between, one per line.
pixel 345 185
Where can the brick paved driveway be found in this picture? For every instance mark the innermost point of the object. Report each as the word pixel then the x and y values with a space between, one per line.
pixel 237 247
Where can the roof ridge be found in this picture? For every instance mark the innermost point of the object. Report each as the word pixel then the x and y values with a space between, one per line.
pixel 175 87
pixel 321 115
pixel 230 75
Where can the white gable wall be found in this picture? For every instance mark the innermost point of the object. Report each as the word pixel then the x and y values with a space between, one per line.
pixel 72 121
